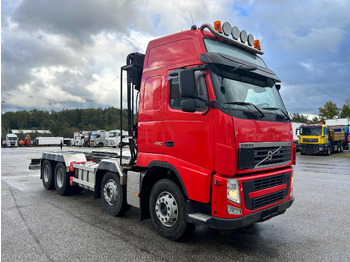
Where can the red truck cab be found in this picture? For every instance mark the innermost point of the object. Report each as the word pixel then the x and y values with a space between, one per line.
pixel 212 120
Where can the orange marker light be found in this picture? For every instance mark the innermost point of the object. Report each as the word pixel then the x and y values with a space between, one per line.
pixel 217 26
pixel 257 44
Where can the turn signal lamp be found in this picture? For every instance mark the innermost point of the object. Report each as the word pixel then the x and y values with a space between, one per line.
pixel 217 26
pixel 257 44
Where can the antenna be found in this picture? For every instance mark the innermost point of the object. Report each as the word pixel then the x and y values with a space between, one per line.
pixel 193 27
pixel 191 17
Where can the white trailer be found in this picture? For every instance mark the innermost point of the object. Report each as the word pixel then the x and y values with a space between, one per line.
pixel 11 140
pixel 338 122
pixel 48 141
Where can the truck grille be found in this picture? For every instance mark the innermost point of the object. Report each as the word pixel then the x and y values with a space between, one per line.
pixel 264 183
pixel 268 182
pixel 260 155
pixel 310 140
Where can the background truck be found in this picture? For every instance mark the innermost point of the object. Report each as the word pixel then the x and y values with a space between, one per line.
pixel 115 136
pixel 296 132
pixel 212 143
pixel 87 137
pixel 11 140
pixel 98 138
pixel 316 138
pixel 48 141
pixel 343 123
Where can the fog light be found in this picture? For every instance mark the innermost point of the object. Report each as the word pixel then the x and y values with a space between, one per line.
pixel 234 210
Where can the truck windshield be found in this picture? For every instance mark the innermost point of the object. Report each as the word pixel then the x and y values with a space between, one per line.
pixel 12 138
pixel 240 91
pixel 112 134
pixel 311 131
pixel 93 136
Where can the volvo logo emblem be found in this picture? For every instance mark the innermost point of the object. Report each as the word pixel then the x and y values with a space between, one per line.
pixel 268 156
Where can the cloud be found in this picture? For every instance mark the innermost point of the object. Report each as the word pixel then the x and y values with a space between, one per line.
pixel 74 49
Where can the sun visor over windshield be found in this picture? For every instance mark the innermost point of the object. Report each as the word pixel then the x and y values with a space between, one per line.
pixel 226 60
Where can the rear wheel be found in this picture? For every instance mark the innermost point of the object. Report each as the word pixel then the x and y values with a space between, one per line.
pixel 47 176
pixel 113 195
pixel 61 179
pixel 168 210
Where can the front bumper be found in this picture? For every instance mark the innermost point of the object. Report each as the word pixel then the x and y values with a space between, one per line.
pixel 312 148
pixel 231 224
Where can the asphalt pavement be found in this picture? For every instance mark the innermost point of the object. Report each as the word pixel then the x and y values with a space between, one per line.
pixel 40 225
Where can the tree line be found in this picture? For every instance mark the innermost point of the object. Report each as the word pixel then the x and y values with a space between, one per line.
pixel 63 123
pixel 330 110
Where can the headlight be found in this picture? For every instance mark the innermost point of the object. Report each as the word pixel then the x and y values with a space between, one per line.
pixel 233 191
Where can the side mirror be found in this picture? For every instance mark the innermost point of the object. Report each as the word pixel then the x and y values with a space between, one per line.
pixel 188 105
pixel 278 86
pixel 187 83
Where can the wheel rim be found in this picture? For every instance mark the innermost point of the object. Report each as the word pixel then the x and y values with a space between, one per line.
pixel 110 192
pixel 166 209
pixel 60 177
pixel 46 173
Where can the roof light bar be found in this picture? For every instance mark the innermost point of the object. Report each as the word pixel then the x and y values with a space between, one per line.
pixel 239 38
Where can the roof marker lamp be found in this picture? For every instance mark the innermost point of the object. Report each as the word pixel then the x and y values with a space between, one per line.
pixel 217 26
pixel 226 28
pixel 233 190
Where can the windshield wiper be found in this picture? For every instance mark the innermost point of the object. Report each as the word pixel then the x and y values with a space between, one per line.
pixel 246 104
pixel 277 108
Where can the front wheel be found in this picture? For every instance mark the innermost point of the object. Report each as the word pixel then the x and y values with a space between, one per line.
pixel 113 195
pixel 168 210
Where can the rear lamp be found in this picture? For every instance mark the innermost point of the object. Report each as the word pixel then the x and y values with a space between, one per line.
pixel 243 36
pixel 226 28
pixel 217 26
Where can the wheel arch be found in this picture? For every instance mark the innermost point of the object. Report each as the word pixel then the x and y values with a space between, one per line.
pixel 156 171
pixel 107 166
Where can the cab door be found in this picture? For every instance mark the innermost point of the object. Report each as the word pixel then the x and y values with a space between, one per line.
pixel 188 137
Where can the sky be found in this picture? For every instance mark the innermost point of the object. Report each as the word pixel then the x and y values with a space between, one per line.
pixel 67 54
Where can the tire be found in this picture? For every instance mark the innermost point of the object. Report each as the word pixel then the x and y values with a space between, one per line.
pixel 341 147
pixel 302 153
pixel 113 195
pixel 168 210
pixel 47 176
pixel 100 144
pixel 328 151
pixel 61 179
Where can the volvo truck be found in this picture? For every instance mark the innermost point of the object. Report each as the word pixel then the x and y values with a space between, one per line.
pixel 211 143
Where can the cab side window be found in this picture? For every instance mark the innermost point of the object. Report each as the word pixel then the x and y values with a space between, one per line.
pixel 201 91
